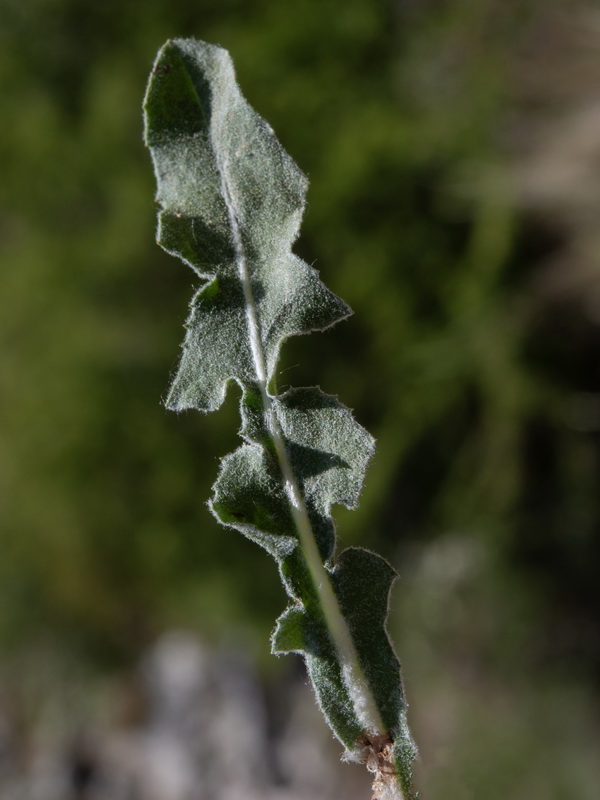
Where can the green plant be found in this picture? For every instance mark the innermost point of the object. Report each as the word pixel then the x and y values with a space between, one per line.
pixel 231 203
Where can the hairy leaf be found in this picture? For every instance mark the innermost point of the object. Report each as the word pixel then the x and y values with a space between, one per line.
pixel 231 200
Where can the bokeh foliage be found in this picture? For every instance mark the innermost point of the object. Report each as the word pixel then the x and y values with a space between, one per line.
pixel 473 383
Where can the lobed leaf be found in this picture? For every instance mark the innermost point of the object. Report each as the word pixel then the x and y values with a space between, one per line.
pixel 231 202
pixel 225 185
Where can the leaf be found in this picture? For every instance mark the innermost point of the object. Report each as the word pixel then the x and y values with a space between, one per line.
pixel 368 577
pixel 231 202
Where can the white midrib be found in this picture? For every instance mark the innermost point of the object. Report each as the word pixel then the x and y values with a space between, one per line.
pixel 352 672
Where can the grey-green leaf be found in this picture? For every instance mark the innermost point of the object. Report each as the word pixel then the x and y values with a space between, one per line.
pixel 362 581
pixel 231 201
pixel 328 450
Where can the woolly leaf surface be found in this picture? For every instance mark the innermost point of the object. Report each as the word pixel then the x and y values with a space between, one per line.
pixel 231 201
pixel 362 581
pixel 329 452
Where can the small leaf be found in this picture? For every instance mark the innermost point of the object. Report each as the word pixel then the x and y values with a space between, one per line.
pixel 362 581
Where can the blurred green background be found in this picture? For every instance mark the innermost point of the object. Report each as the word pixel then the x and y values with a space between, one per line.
pixel 452 148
